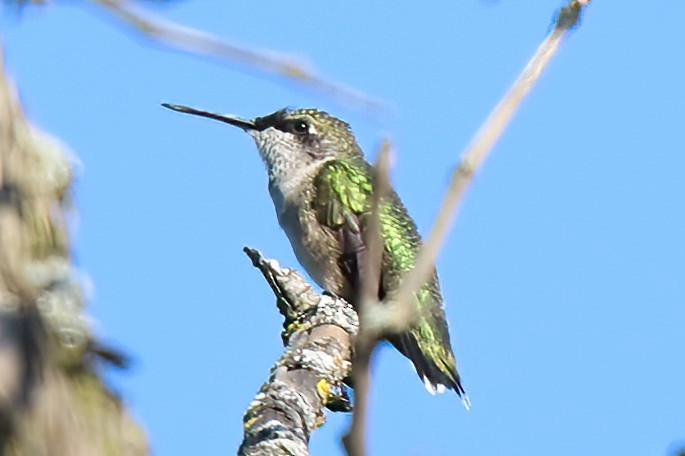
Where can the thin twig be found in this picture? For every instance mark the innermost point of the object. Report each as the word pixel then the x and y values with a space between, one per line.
pixel 475 155
pixel 195 41
pixel 371 270
pixel 368 335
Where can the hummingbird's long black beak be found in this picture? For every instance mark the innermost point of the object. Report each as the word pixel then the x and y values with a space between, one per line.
pixel 236 121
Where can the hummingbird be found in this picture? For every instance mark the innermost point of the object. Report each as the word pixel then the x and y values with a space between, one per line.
pixel 322 188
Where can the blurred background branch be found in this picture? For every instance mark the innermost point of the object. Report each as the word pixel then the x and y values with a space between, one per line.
pixel 52 400
pixel 193 41
pixel 188 39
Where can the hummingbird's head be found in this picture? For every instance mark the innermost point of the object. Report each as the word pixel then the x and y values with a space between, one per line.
pixel 291 139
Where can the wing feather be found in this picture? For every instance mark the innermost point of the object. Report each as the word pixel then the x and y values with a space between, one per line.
pixel 342 204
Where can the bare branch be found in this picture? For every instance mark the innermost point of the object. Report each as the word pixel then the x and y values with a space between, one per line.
pixel 196 41
pixel 318 330
pixel 371 270
pixel 477 152
pixel 368 307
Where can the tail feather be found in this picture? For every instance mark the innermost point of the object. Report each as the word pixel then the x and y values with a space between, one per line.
pixel 434 378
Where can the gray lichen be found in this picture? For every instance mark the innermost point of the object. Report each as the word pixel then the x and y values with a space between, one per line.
pixel 304 381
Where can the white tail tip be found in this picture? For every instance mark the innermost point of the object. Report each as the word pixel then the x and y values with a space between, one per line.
pixel 429 386
pixel 466 401
pixel 433 389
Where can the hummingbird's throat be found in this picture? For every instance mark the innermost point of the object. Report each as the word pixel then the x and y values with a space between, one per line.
pixel 282 156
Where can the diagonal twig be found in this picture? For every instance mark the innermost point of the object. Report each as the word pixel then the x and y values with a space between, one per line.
pixel 399 315
pixel 196 41
pixel 475 155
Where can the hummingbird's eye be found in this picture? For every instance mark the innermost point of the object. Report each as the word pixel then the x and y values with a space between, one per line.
pixel 299 127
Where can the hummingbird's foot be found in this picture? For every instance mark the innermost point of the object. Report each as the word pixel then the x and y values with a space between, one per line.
pixel 340 398
pixel 330 294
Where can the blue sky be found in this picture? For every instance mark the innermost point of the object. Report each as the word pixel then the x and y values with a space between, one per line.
pixel 563 275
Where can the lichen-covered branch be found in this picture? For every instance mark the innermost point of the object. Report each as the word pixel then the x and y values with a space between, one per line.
pixel 52 402
pixel 318 333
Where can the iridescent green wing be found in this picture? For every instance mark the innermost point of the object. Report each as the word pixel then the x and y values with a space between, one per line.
pixel 427 343
pixel 342 202
pixel 343 191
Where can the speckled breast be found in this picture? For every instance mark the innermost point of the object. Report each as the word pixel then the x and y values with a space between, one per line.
pixel 316 247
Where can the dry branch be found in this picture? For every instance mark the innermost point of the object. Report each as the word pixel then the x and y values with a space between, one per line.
pixel 476 153
pixel 399 315
pixel 52 401
pixel 318 332
pixel 369 308
pixel 196 41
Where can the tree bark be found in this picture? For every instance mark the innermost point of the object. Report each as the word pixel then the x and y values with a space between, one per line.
pixel 318 333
